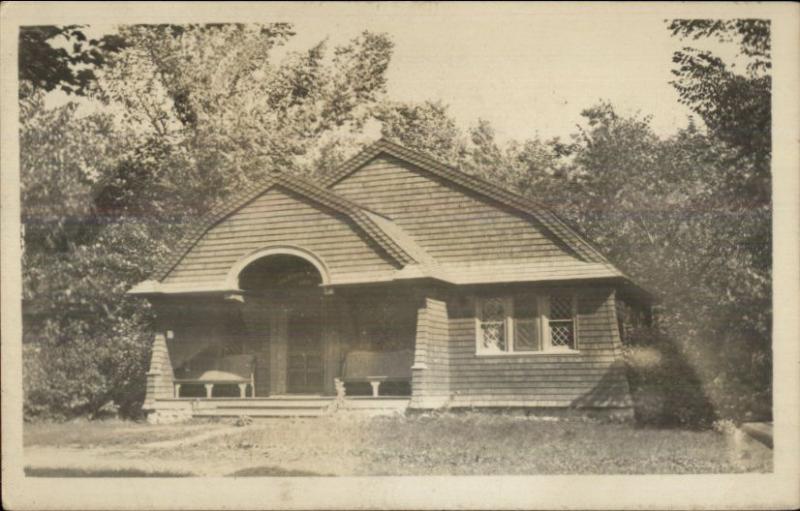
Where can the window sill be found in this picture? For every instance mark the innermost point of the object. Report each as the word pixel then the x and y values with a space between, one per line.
pixel 527 353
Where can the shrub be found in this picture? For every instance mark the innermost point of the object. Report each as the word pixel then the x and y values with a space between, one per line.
pixel 665 389
pixel 85 373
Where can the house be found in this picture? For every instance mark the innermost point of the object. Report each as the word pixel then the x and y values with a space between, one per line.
pixel 398 282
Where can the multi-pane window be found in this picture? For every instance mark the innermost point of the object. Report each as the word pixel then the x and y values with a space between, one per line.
pixel 525 324
pixel 562 321
pixel 493 314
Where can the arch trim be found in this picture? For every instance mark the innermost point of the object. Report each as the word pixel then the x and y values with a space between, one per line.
pixel 232 278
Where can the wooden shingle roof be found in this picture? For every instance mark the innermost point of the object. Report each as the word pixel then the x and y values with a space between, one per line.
pixel 547 218
pixel 301 187
pixel 412 259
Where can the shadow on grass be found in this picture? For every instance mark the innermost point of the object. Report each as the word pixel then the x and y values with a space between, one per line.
pixel 273 471
pixel 99 472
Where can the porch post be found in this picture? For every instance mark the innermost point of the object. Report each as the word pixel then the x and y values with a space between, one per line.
pixel 430 374
pixel 160 376
pixel 278 350
pixel 332 317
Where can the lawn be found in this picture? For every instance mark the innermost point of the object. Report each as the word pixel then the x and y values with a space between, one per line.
pixel 447 444
pixel 105 433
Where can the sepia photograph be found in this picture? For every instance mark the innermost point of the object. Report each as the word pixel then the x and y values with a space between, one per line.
pixel 327 241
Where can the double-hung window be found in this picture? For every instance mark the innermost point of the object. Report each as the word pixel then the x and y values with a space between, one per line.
pixel 526 324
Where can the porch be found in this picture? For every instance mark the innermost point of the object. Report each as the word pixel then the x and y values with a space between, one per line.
pixel 284 344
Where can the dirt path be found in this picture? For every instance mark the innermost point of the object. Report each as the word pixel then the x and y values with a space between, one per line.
pixel 196 439
pixel 183 456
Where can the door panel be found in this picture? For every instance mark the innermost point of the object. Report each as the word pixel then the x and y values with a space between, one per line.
pixel 304 368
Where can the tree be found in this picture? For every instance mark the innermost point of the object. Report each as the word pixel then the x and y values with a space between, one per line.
pixel 70 68
pixel 216 96
pixel 426 127
pixel 85 342
pixel 736 107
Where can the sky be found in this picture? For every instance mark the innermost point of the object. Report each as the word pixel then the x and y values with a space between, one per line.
pixel 527 72
pixel 528 69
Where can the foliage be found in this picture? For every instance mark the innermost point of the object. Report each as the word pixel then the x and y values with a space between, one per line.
pixel 70 68
pixel 665 389
pixel 426 127
pixel 214 95
pixel 735 107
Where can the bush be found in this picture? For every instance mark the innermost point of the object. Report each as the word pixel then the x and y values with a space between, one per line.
pixel 84 375
pixel 665 389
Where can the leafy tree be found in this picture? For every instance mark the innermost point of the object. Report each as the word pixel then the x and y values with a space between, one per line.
pixel 425 126
pixel 736 107
pixel 660 208
pixel 85 342
pixel 70 68
pixel 217 97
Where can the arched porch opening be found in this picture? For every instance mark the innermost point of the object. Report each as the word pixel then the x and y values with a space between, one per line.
pixel 283 307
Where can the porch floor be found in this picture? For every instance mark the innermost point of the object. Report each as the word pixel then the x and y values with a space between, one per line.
pixel 282 406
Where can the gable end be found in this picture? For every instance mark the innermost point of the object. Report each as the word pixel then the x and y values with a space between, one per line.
pixel 540 213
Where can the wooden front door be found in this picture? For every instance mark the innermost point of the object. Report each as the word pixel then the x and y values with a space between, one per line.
pixel 304 365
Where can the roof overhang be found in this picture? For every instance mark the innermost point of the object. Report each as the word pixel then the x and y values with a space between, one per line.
pixel 449 274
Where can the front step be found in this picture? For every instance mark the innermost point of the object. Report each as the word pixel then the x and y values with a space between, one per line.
pixel 280 406
pixel 259 412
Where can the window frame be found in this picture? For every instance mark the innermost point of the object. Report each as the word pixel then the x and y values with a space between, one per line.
pixel 542 320
pixel 508 320
pixel 547 340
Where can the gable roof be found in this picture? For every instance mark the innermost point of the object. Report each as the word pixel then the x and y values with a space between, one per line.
pixel 413 260
pixel 542 214
pixel 378 231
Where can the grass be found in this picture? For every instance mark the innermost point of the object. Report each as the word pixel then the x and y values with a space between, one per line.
pixel 82 472
pixel 273 471
pixel 446 444
pixel 481 444
pixel 107 433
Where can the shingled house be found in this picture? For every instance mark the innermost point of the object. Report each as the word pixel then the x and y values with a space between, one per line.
pixel 397 282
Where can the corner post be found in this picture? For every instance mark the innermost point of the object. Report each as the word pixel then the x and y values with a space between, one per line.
pixel 160 376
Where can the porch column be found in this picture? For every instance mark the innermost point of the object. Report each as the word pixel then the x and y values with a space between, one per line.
pixel 160 376
pixel 333 315
pixel 257 318
pixel 278 350
pixel 430 379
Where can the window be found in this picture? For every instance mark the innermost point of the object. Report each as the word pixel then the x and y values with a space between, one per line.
pixel 561 320
pixel 494 325
pixel 526 324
